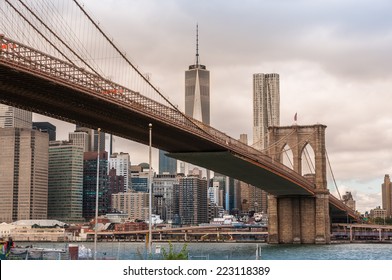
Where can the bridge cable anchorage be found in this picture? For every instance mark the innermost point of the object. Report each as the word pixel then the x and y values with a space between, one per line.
pixel 146 79
pixel 62 41
pixel 333 177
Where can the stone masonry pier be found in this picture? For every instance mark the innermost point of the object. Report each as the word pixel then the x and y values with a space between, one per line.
pixel 300 219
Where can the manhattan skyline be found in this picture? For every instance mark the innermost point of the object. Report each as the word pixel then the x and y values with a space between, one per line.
pixel 332 59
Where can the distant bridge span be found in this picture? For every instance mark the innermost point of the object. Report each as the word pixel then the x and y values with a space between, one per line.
pixel 37 82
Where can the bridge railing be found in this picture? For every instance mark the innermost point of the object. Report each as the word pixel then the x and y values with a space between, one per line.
pixel 26 57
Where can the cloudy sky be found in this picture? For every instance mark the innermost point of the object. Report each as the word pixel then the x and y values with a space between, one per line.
pixel 333 58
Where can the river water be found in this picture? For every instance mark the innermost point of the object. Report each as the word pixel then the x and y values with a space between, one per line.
pixel 232 251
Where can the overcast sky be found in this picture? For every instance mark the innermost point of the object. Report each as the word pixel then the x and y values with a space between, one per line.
pixel 333 58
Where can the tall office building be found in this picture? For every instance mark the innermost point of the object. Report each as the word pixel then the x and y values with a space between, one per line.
pixel 121 162
pixel 14 117
pixel 197 101
pixel 253 199
pixel 140 176
pixel 23 174
pixel 109 141
pixel 386 190
pixel 47 128
pixel 23 167
pixel 197 89
pixel 221 182
pixel 349 200
pixel 165 189
pixel 102 141
pixel 116 182
pixel 193 205
pixel 213 194
pixel 266 112
pixel 167 165
pixel 266 104
pixel 90 184
pixel 81 139
pixel 65 190
pixel 93 138
pixel 135 204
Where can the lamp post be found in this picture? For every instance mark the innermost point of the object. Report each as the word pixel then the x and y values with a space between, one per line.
pixel 150 191
pixel 96 199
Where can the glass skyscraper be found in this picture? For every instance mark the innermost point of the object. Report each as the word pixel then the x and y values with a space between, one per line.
pixel 197 89
pixel 47 128
pixel 90 182
pixel 167 165
pixel 65 190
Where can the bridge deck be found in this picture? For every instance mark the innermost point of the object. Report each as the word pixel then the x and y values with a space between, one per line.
pixel 240 168
pixel 34 81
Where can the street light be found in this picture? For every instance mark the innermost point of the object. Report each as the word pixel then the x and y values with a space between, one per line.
pixel 96 199
pixel 150 192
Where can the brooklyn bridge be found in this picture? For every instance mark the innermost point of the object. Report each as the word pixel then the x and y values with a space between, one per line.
pixel 44 69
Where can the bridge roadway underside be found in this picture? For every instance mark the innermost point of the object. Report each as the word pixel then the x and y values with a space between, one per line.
pixel 67 102
pixel 53 97
pixel 237 167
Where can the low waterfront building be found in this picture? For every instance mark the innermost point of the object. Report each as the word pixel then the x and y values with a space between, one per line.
pixel 5 230
pixel 35 230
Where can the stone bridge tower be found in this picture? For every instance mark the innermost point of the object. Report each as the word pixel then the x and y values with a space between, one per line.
pixel 300 219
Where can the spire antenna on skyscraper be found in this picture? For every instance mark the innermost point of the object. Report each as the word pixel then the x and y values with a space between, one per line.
pixel 197 44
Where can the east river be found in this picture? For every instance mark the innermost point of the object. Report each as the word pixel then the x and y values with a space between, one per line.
pixel 231 251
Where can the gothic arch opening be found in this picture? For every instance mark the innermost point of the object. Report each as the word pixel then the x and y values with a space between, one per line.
pixel 308 162
pixel 286 156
